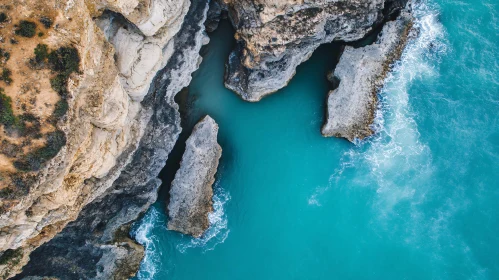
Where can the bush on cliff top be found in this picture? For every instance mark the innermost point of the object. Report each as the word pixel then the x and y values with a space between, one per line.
pixel 35 160
pixel 64 60
pixel 26 29
pixel 7 116
pixel 3 17
pixel 6 73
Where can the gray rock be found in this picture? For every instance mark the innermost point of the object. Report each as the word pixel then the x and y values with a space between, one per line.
pixel 361 72
pixel 191 191
pixel 274 37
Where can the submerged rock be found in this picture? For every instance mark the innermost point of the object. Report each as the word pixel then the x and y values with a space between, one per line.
pixel 360 73
pixel 274 37
pixel 191 191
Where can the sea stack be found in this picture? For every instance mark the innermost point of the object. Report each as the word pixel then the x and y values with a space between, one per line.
pixel 191 191
pixel 361 73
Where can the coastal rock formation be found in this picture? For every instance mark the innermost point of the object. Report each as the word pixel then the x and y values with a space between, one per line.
pixel 360 73
pixel 88 117
pixel 274 37
pixel 191 191
pixel 102 154
pixel 96 245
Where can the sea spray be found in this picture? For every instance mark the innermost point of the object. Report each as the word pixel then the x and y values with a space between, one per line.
pixel 218 231
pixel 142 233
pixel 394 153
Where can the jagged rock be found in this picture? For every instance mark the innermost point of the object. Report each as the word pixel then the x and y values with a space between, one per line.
pixel 116 147
pixel 361 72
pixel 191 191
pixel 274 37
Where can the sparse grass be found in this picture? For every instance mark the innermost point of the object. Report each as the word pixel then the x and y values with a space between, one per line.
pixel 47 22
pixel 26 29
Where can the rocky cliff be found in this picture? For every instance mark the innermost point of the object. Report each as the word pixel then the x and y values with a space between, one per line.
pixel 100 154
pixel 274 37
pixel 191 191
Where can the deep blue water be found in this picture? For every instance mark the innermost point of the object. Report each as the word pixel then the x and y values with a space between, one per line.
pixel 419 200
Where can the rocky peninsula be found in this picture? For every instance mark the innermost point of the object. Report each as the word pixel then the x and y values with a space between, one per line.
pixel 360 74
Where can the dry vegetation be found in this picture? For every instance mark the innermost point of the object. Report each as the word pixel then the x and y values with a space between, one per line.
pixel 33 92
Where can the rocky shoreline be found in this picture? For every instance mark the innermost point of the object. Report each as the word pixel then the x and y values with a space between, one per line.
pixel 87 197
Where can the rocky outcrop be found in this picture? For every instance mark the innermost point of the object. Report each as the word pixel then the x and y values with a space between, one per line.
pixel 274 37
pixel 360 73
pixel 118 134
pixel 191 191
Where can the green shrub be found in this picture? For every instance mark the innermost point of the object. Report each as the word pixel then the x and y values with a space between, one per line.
pixel 41 52
pixel 3 17
pixel 34 160
pixel 6 73
pixel 61 107
pixel 64 60
pixel 59 84
pixel 40 34
pixel 26 29
pixel 11 256
pixel 7 117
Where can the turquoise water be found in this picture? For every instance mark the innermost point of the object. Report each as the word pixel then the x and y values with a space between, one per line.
pixel 419 200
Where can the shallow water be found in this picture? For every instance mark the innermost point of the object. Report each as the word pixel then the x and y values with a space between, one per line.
pixel 416 201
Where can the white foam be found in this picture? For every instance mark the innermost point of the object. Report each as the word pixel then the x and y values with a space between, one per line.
pixel 218 231
pixel 395 154
pixel 143 234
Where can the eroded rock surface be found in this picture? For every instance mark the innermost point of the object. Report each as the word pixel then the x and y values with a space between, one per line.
pixel 191 191
pixel 361 72
pixel 119 129
pixel 274 37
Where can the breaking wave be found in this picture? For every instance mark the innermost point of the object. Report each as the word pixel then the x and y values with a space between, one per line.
pixel 394 157
pixel 143 234
pixel 218 231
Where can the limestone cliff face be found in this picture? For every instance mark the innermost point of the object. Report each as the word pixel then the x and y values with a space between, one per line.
pixel 274 37
pixel 96 245
pixel 119 54
pixel 191 191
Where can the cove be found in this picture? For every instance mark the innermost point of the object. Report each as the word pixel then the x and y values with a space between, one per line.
pixel 416 201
